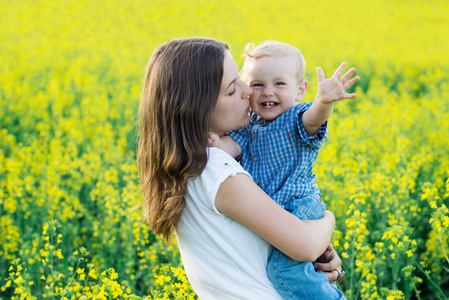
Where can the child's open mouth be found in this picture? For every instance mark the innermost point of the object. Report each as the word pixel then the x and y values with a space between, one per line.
pixel 269 104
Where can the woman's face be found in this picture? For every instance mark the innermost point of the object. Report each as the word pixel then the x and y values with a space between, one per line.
pixel 231 110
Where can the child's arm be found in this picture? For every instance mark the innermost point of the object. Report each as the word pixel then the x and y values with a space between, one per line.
pixel 329 91
pixel 225 143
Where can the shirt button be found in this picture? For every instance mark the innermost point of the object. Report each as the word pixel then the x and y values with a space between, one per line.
pixel 254 135
pixel 254 158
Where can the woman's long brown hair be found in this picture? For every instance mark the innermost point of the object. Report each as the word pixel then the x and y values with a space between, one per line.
pixel 181 88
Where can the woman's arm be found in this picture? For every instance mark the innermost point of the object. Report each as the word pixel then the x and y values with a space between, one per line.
pixel 242 200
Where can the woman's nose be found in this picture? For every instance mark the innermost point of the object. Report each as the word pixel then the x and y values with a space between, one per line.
pixel 247 91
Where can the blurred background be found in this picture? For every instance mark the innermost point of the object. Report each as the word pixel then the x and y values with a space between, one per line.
pixel 70 79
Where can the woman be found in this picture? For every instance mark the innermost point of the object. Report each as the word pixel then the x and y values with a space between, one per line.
pixel 224 223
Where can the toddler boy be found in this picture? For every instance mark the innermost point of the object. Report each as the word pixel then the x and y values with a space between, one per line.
pixel 280 145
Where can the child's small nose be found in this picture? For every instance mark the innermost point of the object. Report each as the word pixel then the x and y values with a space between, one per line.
pixel 267 91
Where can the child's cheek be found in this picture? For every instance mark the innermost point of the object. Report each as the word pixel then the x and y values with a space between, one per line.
pixel 253 93
pixel 256 94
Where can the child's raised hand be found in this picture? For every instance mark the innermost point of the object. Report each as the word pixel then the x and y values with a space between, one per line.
pixel 333 89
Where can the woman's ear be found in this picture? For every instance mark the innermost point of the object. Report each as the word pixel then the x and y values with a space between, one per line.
pixel 302 91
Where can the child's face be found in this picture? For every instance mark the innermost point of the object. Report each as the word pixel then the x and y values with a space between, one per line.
pixel 275 85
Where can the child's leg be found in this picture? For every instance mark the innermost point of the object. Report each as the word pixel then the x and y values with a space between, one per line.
pixel 299 280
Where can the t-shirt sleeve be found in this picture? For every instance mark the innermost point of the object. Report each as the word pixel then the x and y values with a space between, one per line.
pixel 219 167
pixel 315 141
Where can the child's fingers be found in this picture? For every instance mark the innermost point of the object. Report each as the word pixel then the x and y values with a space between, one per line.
pixel 351 82
pixel 347 75
pixel 349 96
pixel 340 69
pixel 320 74
pixel 212 137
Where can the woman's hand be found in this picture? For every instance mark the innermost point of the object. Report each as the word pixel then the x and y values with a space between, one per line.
pixel 328 263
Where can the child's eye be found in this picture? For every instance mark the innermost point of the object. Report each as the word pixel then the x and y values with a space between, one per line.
pixel 279 83
pixel 257 85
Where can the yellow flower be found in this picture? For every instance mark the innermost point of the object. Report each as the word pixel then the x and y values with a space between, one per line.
pixel 45 228
pixel 58 254
pixel 93 273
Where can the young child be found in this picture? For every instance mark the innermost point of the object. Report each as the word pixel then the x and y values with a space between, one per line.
pixel 280 145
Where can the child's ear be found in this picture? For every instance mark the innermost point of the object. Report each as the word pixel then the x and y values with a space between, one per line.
pixel 302 91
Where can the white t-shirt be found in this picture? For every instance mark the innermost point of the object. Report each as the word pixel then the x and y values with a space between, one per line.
pixel 222 258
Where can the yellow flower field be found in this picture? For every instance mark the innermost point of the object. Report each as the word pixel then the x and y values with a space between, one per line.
pixel 70 80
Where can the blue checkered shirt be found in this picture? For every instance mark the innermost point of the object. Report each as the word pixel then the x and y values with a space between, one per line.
pixel 279 155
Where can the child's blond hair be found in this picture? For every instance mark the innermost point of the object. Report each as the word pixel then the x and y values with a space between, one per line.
pixel 274 48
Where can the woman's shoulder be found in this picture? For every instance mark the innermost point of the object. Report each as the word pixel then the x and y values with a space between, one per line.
pixel 219 167
pixel 219 160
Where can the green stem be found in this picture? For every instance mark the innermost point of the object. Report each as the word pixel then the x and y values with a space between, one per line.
pixel 352 268
pixel 51 265
pixel 395 273
pixel 442 247
pixel 73 276
pixel 417 292
pixel 359 283
pixel 430 279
